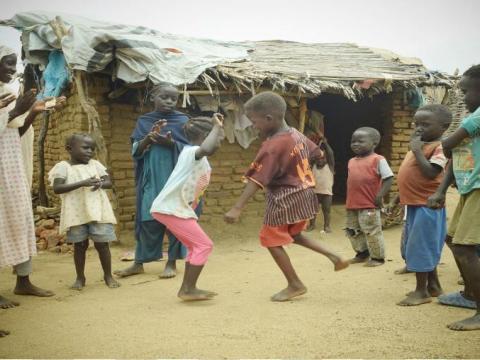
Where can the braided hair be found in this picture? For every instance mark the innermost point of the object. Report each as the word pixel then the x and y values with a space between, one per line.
pixel 197 127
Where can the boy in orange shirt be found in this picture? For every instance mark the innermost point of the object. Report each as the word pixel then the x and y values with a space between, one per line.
pixel 419 176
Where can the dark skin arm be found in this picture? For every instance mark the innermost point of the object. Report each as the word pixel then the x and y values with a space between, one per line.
pixel 6 99
pixel 386 185
pixel 234 213
pixel 437 200
pixel 37 108
pixel 429 170
pixel 213 139
pixel 453 140
pixel 23 104
pixel 330 157
pixel 155 137
pixel 59 186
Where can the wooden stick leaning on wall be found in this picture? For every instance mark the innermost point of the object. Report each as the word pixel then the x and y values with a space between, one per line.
pixel 302 115
pixel 94 127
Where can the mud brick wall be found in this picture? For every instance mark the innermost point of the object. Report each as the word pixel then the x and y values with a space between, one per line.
pixel 401 131
pixel 118 122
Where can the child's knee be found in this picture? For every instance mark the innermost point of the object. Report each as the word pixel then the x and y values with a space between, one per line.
pixel 463 254
pixel 101 246
pixel 352 233
pixel 81 246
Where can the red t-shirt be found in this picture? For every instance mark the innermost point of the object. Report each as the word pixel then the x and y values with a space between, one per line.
pixel 364 181
pixel 414 188
pixel 282 168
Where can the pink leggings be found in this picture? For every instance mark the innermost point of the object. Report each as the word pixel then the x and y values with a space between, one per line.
pixel 190 234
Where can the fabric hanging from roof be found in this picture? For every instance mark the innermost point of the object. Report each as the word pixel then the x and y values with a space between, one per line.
pixel 140 53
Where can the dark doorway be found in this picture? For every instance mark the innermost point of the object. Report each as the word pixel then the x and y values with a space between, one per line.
pixel 341 118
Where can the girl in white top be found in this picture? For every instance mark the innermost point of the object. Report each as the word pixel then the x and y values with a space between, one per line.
pixel 86 211
pixel 174 206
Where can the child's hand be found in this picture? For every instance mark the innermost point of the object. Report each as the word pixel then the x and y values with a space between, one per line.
pixel 49 104
pixel 436 201
pixel 232 215
pixel 155 135
pixel 217 119
pixel 379 201
pixel 158 126
pixel 416 142
pixel 93 181
pixel 6 99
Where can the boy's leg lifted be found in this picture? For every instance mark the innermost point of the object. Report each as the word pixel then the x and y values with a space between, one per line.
pixel 338 261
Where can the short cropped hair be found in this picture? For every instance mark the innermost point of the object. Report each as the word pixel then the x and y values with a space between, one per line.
pixel 441 112
pixel 473 72
pixel 160 86
pixel 267 103
pixel 373 133
pixel 75 136
pixel 197 126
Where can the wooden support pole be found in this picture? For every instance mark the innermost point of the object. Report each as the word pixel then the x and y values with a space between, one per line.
pixel 302 115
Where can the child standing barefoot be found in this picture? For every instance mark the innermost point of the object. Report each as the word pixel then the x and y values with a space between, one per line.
pixel 323 171
pixel 464 228
pixel 369 180
pixel 282 168
pixel 174 206
pixel 86 211
pixel 419 176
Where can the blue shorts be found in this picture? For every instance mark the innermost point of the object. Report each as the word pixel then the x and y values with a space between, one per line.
pixel 425 231
pixel 97 232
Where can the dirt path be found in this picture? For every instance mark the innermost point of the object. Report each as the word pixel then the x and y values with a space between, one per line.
pixel 351 314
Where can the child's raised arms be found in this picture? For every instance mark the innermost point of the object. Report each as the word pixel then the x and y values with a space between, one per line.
pixel 212 141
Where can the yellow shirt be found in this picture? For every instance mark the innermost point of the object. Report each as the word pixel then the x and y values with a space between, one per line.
pixel 82 206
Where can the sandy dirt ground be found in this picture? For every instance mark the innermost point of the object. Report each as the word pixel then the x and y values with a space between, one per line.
pixel 349 314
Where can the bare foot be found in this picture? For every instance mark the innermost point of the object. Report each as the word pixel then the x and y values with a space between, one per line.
pixel 402 271
pixel 373 263
pixel 341 264
pixel 6 304
pixel 111 282
pixel 79 284
pixel 471 323
pixel 434 292
pixel 357 260
pixel 134 269
pixel 4 333
pixel 169 272
pixel 196 295
pixel 415 298
pixel 30 289
pixel 289 293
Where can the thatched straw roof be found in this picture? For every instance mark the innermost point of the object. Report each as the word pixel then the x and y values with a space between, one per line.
pixel 457 106
pixel 316 68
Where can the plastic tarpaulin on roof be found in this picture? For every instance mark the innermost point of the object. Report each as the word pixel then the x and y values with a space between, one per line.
pixel 139 53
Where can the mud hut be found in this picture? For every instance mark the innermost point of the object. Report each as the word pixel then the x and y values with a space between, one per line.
pixel 329 88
